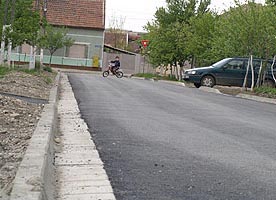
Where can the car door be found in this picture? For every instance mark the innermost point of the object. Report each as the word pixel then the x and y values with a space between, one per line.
pixel 232 73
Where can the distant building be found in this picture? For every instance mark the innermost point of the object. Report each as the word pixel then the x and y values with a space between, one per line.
pixel 123 39
pixel 85 22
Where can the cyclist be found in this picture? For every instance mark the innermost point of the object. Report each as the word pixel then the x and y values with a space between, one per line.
pixel 115 64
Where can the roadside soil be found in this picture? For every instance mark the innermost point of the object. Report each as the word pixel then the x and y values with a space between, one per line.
pixel 18 119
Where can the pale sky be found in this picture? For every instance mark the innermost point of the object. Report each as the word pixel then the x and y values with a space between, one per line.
pixel 138 13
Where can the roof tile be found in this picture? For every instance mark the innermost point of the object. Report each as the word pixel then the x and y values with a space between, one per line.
pixel 77 13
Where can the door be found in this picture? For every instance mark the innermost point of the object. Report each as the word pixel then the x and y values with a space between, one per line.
pixel 232 73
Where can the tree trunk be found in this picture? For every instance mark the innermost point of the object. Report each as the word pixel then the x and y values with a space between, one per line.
pixel 2 51
pixel 50 63
pixel 31 58
pixel 181 72
pixel 272 66
pixel 9 53
pixel 259 75
pixel 246 75
pixel 41 57
pixel 252 74
pixel 193 62
pixel 176 71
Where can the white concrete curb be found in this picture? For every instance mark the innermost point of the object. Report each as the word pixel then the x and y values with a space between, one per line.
pixel 80 171
pixel 256 98
pixel 34 178
pixel 208 89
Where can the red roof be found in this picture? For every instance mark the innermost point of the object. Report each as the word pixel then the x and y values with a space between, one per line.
pixel 77 13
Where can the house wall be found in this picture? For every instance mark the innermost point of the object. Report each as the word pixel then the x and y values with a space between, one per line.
pixel 86 51
pixel 92 39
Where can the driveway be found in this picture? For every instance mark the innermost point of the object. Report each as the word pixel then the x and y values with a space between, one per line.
pixel 166 142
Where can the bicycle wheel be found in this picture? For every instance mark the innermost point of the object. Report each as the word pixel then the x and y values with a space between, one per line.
pixel 105 73
pixel 119 74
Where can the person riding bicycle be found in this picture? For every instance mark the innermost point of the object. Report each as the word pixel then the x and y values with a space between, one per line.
pixel 115 64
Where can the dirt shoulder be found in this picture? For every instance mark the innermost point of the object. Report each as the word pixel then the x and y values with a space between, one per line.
pixel 18 119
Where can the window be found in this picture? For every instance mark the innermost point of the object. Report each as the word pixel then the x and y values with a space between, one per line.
pixel 77 51
pixel 235 65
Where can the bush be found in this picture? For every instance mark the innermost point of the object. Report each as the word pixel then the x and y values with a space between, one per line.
pixel 266 91
pixel 3 71
pixel 48 69
pixel 147 75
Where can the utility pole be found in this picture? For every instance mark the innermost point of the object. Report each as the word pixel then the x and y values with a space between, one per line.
pixel 43 30
pixel 10 42
pixel 2 51
pixel 33 48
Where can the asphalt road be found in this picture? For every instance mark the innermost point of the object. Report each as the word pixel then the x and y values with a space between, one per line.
pixel 166 142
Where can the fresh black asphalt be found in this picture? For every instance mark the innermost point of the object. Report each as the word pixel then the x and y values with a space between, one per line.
pixel 166 142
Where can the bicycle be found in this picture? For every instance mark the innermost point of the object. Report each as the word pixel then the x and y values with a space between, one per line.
pixel 117 72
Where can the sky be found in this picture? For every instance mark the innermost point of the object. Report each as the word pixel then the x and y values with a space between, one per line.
pixel 136 13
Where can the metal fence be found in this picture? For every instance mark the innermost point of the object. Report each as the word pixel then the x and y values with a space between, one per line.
pixel 17 57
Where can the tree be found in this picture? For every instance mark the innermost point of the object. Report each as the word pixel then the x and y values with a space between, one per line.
pixel 199 38
pixel 168 33
pixel 117 33
pixel 25 24
pixel 55 39
pixel 246 30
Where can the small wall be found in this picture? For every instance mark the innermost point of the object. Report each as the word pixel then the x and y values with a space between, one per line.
pixel 130 64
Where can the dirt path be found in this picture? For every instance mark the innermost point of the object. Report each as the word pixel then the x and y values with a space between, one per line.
pixel 18 119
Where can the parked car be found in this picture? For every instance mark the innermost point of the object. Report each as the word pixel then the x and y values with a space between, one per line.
pixel 229 72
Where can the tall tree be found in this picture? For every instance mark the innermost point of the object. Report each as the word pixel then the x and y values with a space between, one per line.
pixel 168 33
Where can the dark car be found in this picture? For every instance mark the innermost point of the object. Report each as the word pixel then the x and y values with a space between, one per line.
pixel 229 72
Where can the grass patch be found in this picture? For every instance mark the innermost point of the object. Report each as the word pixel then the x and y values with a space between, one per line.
pixel 266 92
pixel 147 75
pixel 156 77
pixel 48 69
pixel 3 71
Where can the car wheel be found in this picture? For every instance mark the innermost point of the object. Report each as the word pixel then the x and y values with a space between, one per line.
pixel 208 81
pixel 269 83
pixel 197 85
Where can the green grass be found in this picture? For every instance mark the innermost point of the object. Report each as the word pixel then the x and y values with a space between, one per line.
pixel 156 76
pixel 3 71
pixel 147 75
pixel 266 91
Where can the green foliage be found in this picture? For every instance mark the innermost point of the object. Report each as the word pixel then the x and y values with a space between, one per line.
pixel 48 80
pixel 54 39
pixel 3 71
pixel 188 30
pixel 48 69
pixel 266 91
pixel 156 76
pixel 246 30
pixel 171 31
pixel 26 24
pixel 147 75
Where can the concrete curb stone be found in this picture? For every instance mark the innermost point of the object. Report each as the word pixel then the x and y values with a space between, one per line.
pixel 208 89
pixel 34 178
